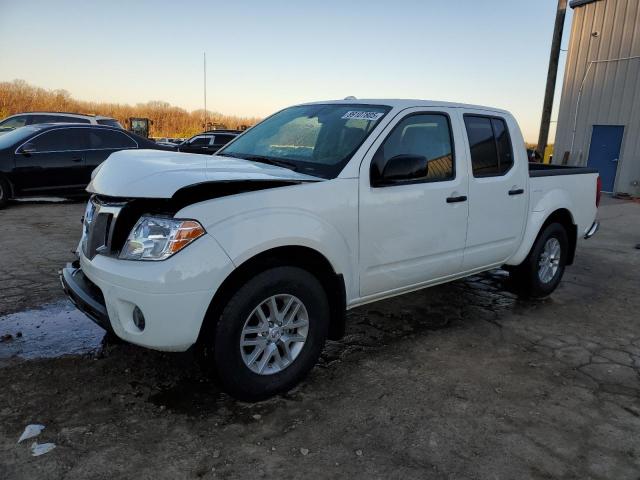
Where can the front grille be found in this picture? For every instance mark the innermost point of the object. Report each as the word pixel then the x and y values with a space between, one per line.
pixel 98 226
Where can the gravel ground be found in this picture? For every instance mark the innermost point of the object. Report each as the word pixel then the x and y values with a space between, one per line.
pixel 464 380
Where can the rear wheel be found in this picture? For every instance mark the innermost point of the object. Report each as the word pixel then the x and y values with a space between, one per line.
pixel 5 192
pixel 542 270
pixel 270 333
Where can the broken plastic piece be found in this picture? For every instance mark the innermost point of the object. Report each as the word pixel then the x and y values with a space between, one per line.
pixel 38 449
pixel 31 431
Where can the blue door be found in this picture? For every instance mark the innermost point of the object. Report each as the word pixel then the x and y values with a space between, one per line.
pixel 604 152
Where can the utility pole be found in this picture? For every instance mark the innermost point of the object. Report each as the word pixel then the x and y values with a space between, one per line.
pixel 551 77
pixel 205 89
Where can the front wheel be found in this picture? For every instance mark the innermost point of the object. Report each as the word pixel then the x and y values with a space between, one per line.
pixel 270 333
pixel 542 270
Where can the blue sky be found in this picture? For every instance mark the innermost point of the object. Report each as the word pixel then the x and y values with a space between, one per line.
pixel 264 55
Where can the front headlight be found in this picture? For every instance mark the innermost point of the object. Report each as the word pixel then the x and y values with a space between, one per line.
pixel 157 238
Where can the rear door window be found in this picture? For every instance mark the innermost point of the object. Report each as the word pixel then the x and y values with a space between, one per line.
pixel 60 140
pixel 101 139
pixel 223 139
pixel 490 145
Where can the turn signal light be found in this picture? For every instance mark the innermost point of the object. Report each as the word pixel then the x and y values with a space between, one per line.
pixel 188 231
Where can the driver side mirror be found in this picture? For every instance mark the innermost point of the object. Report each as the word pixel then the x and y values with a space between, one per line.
pixel 28 148
pixel 399 169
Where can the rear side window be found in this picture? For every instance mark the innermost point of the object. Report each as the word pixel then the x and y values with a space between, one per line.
pixel 426 135
pixel 490 144
pixel 223 139
pixel 60 140
pixel 200 141
pixel 110 122
pixel 106 139
pixel 58 119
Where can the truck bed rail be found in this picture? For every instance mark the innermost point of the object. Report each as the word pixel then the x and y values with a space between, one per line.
pixel 545 170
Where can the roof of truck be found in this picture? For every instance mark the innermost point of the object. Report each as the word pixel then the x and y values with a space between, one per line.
pixel 408 103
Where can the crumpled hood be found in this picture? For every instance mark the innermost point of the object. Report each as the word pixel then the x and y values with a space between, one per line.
pixel 160 174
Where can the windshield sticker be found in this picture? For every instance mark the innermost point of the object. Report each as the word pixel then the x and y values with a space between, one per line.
pixel 358 115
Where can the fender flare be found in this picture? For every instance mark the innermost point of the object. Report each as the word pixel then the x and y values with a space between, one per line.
pixel 543 208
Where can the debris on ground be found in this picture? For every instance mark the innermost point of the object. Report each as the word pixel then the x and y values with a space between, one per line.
pixel 31 431
pixel 38 449
pixel 6 337
pixel 359 453
pixel 304 451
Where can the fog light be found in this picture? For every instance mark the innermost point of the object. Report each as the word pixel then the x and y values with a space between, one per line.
pixel 138 318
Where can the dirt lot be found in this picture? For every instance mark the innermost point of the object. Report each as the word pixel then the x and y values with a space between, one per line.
pixel 460 381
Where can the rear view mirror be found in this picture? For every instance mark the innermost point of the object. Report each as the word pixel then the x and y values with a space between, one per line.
pixel 400 169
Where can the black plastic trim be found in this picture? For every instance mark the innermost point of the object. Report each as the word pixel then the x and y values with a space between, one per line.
pixel 85 295
pixel 545 170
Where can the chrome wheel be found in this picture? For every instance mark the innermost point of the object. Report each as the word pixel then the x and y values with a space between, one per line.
pixel 274 334
pixel 549 260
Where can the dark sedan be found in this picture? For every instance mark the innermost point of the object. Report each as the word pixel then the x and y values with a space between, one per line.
pixel 208 142
pixel 58 158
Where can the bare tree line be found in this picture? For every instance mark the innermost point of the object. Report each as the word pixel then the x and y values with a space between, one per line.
pixel 168 121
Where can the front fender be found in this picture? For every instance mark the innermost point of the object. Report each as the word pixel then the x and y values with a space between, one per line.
pixel 542 205
pixel 245 235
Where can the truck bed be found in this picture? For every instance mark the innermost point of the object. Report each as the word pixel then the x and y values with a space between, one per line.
pixel 546 170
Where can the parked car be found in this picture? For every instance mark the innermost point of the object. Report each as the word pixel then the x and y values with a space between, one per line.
pixel 208 142
pixel 31 118
pixel 255 257
pixel 55 158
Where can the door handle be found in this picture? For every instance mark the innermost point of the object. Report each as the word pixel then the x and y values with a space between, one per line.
pixel 461 198
pixel 76 159
pixel 614 160
pixel 516 191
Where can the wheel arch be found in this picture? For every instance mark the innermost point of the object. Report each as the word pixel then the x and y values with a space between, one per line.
pixel 564 218
pixel 538 222
pixel 299 256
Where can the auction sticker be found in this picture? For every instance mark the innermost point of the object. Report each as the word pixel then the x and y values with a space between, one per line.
pixel 359 115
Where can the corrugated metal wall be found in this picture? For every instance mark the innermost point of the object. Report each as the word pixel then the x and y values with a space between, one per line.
pixel 610 87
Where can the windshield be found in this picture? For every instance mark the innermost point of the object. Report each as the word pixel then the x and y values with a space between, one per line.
pixel 317 140
pixel 14 122
pixel 12 137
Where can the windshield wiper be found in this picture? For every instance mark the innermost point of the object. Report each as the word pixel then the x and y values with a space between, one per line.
pixel 268 160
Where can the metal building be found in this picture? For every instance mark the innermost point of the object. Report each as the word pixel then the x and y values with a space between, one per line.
pixel 599 117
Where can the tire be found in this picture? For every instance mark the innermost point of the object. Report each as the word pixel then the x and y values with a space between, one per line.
pixel 540 273
pixel 241 319
pixel 5 192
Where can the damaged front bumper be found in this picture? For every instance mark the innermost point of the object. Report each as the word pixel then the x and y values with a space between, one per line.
pixel 85 295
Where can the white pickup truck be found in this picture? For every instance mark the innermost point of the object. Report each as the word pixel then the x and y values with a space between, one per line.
pixel 254 255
